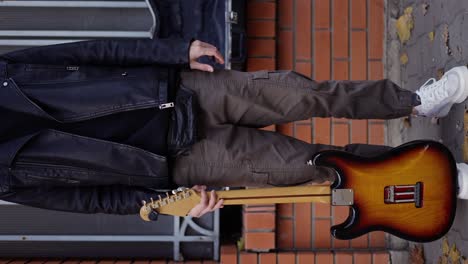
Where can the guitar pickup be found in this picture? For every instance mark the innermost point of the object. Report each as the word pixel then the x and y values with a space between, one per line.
pixel 404 194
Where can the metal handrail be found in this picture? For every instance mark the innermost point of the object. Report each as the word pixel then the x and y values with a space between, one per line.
pixel 35 42
pixel 41 37
pixel 79 4
pixel 74 33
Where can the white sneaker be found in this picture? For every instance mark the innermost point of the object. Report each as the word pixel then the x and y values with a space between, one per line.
pixel 437 97
pixel 462 169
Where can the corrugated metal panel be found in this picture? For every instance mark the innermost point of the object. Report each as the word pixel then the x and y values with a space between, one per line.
pixel 40 18
pixel 23 25
pixel 31 232
pixel 20 220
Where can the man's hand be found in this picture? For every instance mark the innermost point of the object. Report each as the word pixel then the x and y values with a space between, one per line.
pixel 206 205
pixel 199 49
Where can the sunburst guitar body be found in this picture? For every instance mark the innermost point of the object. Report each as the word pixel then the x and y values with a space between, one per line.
pixel 410 191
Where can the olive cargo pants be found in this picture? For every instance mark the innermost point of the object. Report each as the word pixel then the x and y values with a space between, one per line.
pixel 233 152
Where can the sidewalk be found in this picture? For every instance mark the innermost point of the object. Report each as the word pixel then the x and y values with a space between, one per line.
pixel 447 22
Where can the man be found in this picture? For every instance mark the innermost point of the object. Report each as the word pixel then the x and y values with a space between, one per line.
pixel 99 126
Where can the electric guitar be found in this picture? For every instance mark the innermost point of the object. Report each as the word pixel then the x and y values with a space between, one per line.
pixel 410 192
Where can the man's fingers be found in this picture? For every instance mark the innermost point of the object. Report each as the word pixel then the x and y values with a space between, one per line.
pixel 205 205
pixel 206 45
pixel 207 209
pixel 219 57
pixel 212 201
pixel 199 188
pixel 195 212
pixel 212 205
pixel 204 198
pixel 200 66
pixel 209 206
pixel 219 204
pixel 199 49
pixel 215 53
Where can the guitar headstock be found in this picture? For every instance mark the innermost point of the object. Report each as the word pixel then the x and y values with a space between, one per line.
pixel 179 203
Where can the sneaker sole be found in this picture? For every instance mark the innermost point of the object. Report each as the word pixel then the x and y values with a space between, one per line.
pixel 462 94
pixel 462 181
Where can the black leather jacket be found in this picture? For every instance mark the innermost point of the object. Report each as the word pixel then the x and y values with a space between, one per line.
pixel 58 104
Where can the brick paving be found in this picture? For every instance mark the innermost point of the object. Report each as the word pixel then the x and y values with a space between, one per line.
pixel 305 257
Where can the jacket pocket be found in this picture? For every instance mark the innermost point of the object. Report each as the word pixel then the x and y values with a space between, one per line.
pixel 8 152
pixel 29 174
pixel 47 159
pixel 80 100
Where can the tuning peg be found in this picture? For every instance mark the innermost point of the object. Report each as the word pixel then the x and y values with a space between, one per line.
pixel 153 215
pixel 186 194
pixel 148 214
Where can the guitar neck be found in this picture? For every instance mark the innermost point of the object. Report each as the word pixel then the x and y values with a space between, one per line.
pixel 180 204
pixel 297 194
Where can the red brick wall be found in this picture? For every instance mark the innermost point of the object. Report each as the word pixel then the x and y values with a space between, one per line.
pixel 323 39
pixel 329 39
pixel 261 31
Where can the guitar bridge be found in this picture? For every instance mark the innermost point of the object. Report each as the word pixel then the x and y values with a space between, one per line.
pixel 404 194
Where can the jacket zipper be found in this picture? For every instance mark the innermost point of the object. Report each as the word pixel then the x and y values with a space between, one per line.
pixel 36 164
pixel 166 105
pixel 55 179
pixel 41 165
pixel 56 166
pixel 74 168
